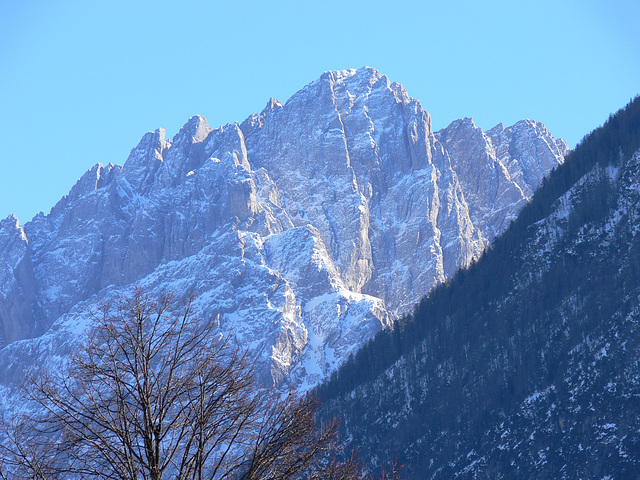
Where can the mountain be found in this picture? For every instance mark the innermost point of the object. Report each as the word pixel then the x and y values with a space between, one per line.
pixel 304 230
pixel 526 364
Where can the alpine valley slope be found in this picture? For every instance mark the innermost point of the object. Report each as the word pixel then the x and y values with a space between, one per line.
pixel 303 230
pixel 526 364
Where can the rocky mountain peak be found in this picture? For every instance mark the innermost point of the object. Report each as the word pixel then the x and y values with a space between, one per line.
pixel 306 228
pixel 255 121
pixel 517 157
pixel 145 160
pixel 272 104
pixel 11 222
pixel 194 131
pixel 499 128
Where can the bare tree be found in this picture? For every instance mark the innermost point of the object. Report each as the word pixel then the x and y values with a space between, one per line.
pixel 23 453
pixel 155 394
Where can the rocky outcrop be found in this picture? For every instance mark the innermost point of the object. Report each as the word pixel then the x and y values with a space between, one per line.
pixel 513 160
pixel 17 315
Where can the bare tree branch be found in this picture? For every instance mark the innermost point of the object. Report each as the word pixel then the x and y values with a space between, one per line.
pixel 154 393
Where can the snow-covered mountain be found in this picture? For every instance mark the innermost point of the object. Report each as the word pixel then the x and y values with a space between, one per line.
pixel 304 229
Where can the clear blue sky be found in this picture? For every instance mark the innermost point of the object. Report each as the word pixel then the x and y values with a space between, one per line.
pixel 82 81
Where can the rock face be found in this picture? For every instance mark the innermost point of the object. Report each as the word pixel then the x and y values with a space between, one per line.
pixel 16 276
pixel 513 160
pixel 305 229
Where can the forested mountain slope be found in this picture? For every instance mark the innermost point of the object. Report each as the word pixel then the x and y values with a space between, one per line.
pixel 527 363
